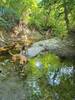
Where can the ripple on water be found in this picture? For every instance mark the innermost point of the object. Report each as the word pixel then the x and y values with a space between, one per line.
pixel 54 78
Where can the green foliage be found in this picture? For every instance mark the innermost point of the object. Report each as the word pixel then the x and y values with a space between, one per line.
pixel 13 10
pixel 55 14
pixel 46 13
pixel 8 18
pixel 37 19
pixel 43 14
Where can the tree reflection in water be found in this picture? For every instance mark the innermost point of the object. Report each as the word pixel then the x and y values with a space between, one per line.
pixel 56 84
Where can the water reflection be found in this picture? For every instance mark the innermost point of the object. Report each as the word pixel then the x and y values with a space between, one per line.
pixel 32 88
pixel 54 78
pixel 66 70
pixel 38 64
pixel 33 84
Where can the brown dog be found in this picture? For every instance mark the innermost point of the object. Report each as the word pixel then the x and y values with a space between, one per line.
pixel 18 57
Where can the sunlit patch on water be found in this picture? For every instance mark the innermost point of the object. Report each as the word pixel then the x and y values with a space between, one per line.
pixel 33 84
pixel 54 78
pixel 66 70
pixel 38 64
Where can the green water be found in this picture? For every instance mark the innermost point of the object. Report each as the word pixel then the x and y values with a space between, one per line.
pixel 43 78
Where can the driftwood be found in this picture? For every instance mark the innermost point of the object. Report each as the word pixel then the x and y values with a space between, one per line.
pixel 62 48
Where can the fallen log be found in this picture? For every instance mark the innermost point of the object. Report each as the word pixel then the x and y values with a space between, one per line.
pixel 62 48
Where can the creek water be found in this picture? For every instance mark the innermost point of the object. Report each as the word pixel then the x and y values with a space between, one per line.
pixel 54 85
